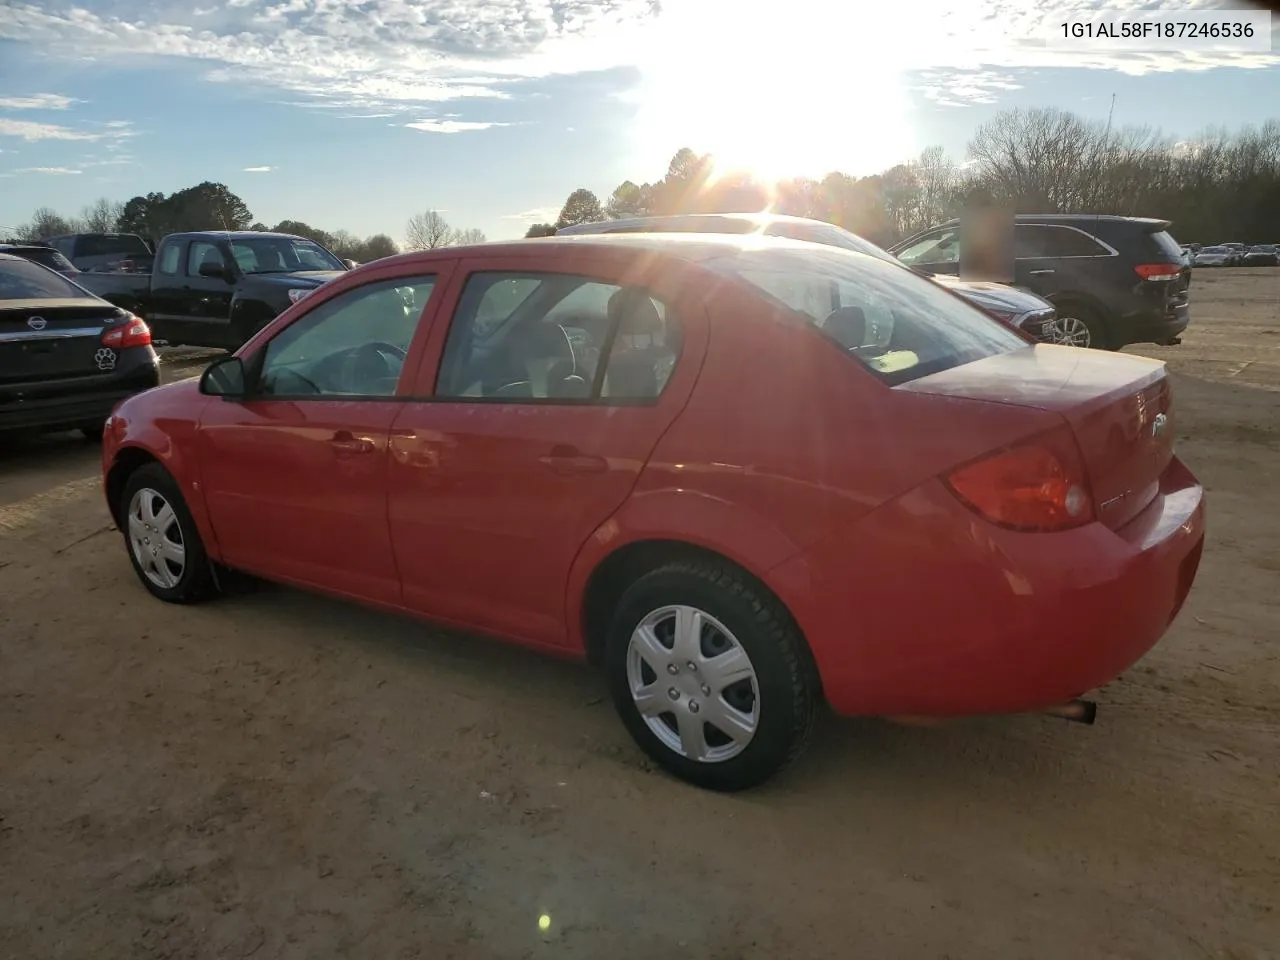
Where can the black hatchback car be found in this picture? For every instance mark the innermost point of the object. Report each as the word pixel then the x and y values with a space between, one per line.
pixel 66 357
pixel 1114 280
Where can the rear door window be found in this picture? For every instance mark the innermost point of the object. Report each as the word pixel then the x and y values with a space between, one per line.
pixel 1033 241
pixel 897 324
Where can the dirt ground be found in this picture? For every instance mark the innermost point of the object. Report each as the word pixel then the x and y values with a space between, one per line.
pixel 280 775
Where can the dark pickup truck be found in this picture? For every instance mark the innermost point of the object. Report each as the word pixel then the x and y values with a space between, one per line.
pixel 216 288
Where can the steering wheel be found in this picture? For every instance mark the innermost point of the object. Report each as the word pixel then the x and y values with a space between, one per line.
pixel 374 360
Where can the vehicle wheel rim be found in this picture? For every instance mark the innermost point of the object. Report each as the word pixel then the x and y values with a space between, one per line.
pixel 693 684
pixel 1075 332
pixel 156 539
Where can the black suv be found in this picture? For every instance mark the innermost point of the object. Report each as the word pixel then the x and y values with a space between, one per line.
pixel 1114 280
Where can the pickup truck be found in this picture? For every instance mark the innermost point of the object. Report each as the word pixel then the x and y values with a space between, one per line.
pixel 104 252
pixel 218 288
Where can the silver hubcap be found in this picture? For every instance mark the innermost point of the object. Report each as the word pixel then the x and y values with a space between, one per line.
pixel 1074 332
pixel 156 538
pixel 693 684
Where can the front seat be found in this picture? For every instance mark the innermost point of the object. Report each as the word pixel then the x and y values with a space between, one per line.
pixel 847 326
pixel 636 370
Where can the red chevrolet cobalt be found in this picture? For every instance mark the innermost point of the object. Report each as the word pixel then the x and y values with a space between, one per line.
pixel 743 475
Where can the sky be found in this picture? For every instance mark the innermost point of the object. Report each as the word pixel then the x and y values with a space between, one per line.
pixel 357 114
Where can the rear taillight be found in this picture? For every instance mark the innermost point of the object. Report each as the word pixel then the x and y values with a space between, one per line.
pixel 134 332
pixel 1157 271
pixel 1037 485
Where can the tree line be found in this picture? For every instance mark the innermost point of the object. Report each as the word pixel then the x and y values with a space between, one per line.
pixel 212 206
pixel 1217 187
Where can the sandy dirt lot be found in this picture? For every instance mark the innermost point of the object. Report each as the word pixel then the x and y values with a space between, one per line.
pixel 280 775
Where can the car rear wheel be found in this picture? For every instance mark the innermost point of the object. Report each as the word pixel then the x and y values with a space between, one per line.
pixel 161 536
pixel 1081 327
pixel 710 675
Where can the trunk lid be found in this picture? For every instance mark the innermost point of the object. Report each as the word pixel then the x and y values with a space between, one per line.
pixel 1119 407
pixel 45 339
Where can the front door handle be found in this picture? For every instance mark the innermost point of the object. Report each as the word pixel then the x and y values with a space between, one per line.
pixel 565 458
pixel 344 442
pixel 1043 273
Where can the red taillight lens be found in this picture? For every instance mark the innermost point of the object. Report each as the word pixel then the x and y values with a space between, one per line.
pixel 133 333
pixel 1157 271
pixel 1040 484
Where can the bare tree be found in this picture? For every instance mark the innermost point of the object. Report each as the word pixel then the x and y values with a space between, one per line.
pixel 47 222
pixel 463 238
pixel 427 231
pixel 101 216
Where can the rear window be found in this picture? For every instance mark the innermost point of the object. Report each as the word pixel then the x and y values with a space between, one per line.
pixel 23 280
pixel 1166 244
pixel 121 244
pixel 898 325
pixel 45 256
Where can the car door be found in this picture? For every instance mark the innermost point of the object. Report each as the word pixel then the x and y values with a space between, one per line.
pixel 295 474
pixel 938 251
pixel 1057 261
pixel 544 392
pixel 203 304
pixel 164 305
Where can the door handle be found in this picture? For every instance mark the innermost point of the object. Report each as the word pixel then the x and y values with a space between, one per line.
pixel 1043 273
pixel 345 442
pixel 564 458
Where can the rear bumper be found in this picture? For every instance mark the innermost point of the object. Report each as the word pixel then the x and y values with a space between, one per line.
pixel 1152 327
pixel 924 609
pixel 71 402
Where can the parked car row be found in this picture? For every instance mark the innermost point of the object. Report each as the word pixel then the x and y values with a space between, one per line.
pixel 1237 255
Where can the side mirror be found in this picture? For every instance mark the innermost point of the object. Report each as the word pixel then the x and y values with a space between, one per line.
pixel 214 271
pixel 224 378
pixel 349 264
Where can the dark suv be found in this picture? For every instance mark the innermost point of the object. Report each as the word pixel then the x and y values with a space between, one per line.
pixel 1114 280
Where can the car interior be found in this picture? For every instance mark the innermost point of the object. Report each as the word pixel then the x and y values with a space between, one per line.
pixel 550 345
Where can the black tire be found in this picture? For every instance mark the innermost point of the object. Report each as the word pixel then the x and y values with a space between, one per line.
pixel 93 431
pixel 787 680
pixel 1099 338
pixel 195 582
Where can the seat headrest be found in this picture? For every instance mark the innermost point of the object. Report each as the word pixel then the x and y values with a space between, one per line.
pixel 848 326
pixel 633 313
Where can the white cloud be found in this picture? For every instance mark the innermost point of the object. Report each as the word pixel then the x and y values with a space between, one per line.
pixel 56 171
pixel 450 126
pixel 113 131
pixel 535 215
pixel 37 101
pixel 258 169
pixel 29 130
pixel 752 66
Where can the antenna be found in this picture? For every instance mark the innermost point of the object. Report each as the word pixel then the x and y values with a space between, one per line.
pixel 1110 112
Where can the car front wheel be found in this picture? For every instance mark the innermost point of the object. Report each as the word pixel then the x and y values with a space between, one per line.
pixel 161 536
pixel 710 675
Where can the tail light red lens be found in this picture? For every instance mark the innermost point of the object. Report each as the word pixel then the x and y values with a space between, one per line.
pixel 1038 485
pixel 1157 271
pixel 132 333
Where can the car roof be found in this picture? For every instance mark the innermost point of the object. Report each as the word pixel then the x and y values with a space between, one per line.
pixel 758 219
pixel 232 235
pixel 690 247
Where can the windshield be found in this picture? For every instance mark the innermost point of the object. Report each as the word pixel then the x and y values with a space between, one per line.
pixel 282 255
pixel 898 325
pixel 23 280
pixel 1213 249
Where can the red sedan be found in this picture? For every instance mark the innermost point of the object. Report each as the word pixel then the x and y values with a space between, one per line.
pixel 743 475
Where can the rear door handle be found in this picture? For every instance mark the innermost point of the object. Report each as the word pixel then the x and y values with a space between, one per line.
pixel 345 442
pixel 1043 273
pixel 565 458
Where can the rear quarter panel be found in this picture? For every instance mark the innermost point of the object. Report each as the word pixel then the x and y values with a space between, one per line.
pixel 784 440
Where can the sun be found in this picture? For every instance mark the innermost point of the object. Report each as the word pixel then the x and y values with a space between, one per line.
pixel 776 97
